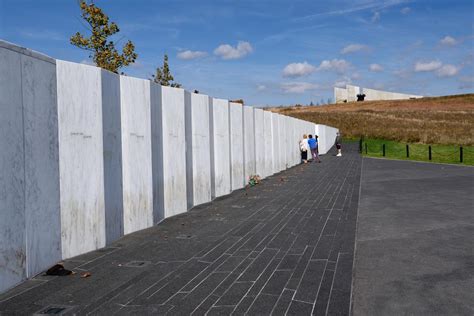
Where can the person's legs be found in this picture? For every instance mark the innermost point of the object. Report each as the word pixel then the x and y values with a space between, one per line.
pixel 304 156
pixel 316 155
pixel 338 146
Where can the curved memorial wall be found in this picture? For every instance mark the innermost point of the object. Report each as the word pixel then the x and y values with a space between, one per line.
pixel 89 156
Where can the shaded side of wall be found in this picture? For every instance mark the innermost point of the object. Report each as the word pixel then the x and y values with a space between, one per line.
pixel 30 230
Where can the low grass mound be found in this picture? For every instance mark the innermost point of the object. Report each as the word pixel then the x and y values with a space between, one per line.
pixel 445 120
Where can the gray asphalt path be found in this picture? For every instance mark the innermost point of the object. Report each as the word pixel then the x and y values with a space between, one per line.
pixel 415 239
pixel 285 246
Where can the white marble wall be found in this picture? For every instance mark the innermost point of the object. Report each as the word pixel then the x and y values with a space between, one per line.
pixel 249 143
pixel 259 142
pixel 282 141
pixel 236 145
pixel 340 95
pixel 80 158
pixel 112 140
pixel 220 147
pixel 198 150
pixel 268 143
pixel 322 139
pixel 169 152
pixel 89 156
pixel 373 95
pixel 276 144
pixel 352 92
pixel 136 154
pixel 295 141
pixel 30 237
pixel 330 137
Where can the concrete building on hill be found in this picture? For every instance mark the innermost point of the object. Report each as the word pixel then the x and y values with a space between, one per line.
pixel 350 94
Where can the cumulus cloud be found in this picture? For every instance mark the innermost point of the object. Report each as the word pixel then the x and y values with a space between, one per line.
pixel 298 69
pixel 405 10
pixel 375 68
pixel 442 70
pixel 298 87
pixel 295 70
pixel 375 17
pixel 226 51
pixel 448 41
pixel 189 54
pixel 338 65
pixel 447 71
pixel 427 66
pixel 352 48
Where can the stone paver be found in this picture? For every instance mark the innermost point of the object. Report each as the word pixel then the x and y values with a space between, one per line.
pixel 415 240
pixel 283 247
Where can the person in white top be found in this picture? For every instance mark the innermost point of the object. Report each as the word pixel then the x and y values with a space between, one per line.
pixel 304 148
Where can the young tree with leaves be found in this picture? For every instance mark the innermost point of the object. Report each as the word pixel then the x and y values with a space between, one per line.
pixel 163 75
pixel 102 51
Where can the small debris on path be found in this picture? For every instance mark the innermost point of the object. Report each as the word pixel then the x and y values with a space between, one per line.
pixel 59 270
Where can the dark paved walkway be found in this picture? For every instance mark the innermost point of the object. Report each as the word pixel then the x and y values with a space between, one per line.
pixel 415 239
pixel 285 246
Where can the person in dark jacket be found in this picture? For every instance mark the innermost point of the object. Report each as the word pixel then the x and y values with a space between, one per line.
pixel 339 145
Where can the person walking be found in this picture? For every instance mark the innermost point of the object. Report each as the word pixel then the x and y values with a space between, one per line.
pixel 304 147
pixel 313 146
pixel 339 144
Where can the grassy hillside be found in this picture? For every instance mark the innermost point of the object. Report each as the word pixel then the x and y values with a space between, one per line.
pixel 441 120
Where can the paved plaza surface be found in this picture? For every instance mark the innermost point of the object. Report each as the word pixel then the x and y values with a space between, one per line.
pixel 283 246
pixel 415 239
pixel 286 246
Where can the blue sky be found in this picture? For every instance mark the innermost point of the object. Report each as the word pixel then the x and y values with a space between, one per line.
pixel 273 52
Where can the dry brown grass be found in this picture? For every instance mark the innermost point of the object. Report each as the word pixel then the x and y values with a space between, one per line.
pixel 441 120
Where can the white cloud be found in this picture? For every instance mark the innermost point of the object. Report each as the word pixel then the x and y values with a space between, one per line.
pixel 298 69
pixel 365 5
pixel 427 66
pixel 405 10
pixel 338 65
pixel 375 17
pixel 447 71
pixel 298 87
pixel 342 82
pixel 441 70
pixel 189 54
pixel 226 51
pixel 375 68
pixel 448 41
pixel 355 75
pixel 352 48
pixel 261 87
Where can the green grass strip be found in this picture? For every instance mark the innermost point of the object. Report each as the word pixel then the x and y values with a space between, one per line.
pixel 419 152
